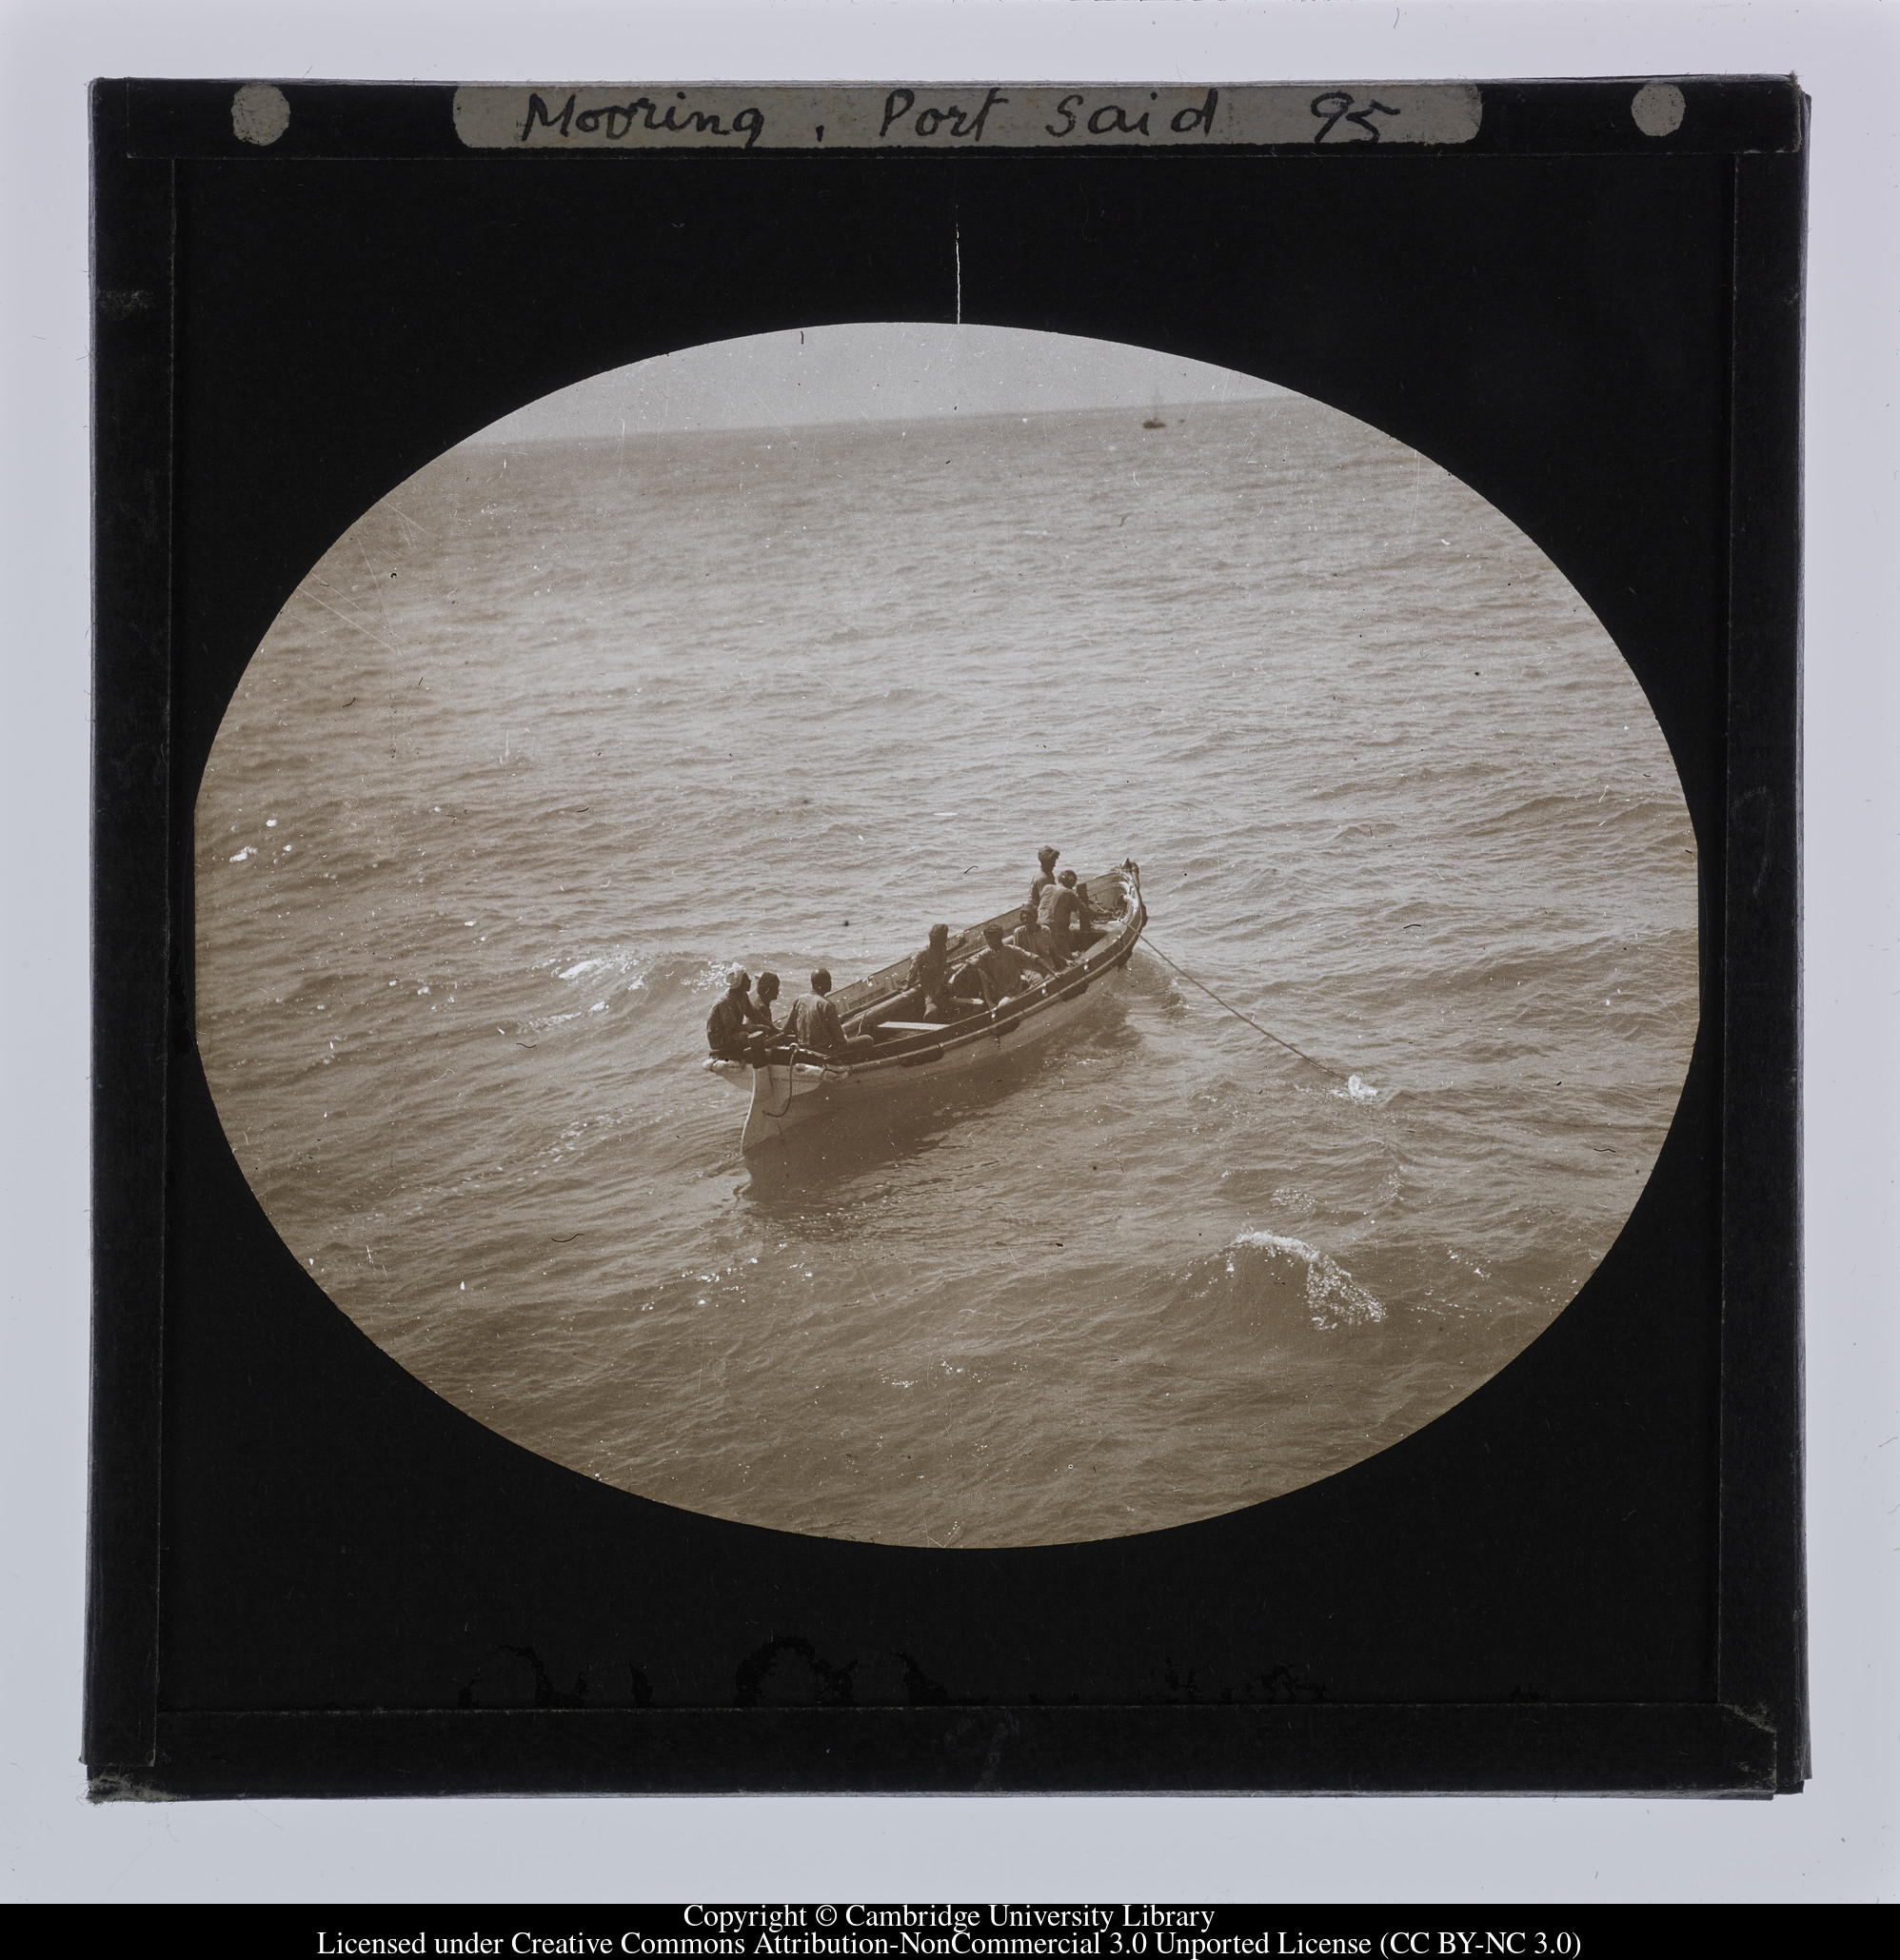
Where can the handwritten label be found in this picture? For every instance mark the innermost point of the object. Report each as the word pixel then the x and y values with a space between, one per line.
pixel 998 115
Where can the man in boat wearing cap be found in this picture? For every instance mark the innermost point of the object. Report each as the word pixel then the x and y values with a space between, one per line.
pixel 1002 968
pixel 725 1024
pixel 813 1023
pixel 1046 856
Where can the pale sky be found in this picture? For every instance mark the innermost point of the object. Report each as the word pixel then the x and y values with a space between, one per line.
pixel 872 373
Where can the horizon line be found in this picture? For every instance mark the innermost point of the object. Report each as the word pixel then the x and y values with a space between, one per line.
pixel 481 435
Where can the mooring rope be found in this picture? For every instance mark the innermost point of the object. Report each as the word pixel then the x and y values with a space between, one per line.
pixel 1235 1011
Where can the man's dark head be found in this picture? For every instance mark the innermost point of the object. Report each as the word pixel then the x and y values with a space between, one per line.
pixel 1027 916
pixel 768 986
pixel 1068 878
pixel 939 937
pixel 993 934
pixel 820 981
pixel 1048 857
pixel 738 980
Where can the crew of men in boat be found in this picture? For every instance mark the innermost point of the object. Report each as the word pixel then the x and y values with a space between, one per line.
pixel 1052 929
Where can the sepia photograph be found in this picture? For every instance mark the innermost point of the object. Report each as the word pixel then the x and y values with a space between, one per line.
pixel 944 936
pixel 606 1233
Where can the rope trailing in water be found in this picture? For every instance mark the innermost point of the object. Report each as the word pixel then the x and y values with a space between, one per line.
pixel 1235 1011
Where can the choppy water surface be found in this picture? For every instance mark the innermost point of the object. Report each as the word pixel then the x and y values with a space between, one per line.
pixel 557 730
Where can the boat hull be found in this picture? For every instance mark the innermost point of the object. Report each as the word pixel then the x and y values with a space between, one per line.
pixel 792 1088
pixel 787 1095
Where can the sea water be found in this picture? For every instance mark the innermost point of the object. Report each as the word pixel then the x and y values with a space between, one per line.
pixel 561 729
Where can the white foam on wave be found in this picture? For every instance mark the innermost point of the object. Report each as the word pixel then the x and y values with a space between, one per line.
pixel 1359 1090
pixel 621 971
pixel 1337 1299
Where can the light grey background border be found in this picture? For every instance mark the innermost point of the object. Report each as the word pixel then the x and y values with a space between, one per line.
pixel 1834 1842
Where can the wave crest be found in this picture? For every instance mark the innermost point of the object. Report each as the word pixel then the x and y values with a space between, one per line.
pixel 1335 1297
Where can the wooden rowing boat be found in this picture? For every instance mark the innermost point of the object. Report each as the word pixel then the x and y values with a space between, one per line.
pixel 791 1085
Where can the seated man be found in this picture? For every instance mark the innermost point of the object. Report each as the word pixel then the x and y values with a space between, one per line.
pixel 1032 941
pixel 1046 856
pixel 1084 911
pixel 1002 968
pixel 1057 913
pixel 814 1026
pixel 759 1011
pixel 725 1024
pixel 931 974
pixel 1067 915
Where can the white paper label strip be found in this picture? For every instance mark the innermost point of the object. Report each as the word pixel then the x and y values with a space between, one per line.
pixel 991 115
